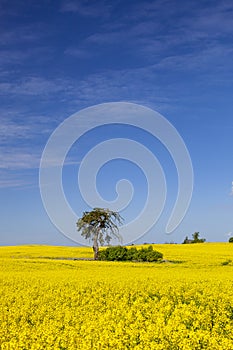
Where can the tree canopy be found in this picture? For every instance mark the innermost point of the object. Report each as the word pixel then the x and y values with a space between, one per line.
pixel 99 225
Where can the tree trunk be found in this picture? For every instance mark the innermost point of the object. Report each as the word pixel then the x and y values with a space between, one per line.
pixel 96 248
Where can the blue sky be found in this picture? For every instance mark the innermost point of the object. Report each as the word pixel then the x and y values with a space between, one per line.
pixel 58 57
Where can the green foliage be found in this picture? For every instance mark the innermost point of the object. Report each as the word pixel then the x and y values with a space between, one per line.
pixel 187 240
pixel 195 239
pixel 148 254
pixel 132 254
pixel 230 240
pixel 99 225
pixel 119 253
pixel 227 262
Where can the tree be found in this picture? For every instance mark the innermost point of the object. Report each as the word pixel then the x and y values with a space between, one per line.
pixel 231 240
pixel 196 238
pixel 186 240
pixel 99 225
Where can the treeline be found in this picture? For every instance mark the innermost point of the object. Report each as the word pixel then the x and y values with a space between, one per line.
pixel 195 239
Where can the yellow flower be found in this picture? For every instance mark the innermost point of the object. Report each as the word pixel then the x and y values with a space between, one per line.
pixel 185 304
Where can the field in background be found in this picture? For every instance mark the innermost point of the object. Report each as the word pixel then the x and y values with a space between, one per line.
pixel 50 301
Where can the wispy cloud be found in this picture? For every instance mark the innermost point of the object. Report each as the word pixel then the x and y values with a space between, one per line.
pixel 17 178
pixel 107 85
pixel 142 33
pixel 34 85
pixel 18 57
pixel 17 126
pixel 87 8
pixel 9 129
pixel 19 159
pixel 22 139
pixel 153 49
pixel 24 34
pixel 14 181
pixel 78 52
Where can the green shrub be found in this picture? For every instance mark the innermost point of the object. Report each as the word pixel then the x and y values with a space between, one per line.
pixel 148 254
pixel 227 262
pixel 132 254
pixel 119 253
pixel 230 240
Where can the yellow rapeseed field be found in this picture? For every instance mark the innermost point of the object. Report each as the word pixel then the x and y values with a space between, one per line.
pixel 49 301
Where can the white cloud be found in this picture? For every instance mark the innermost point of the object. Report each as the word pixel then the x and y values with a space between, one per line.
pixel 17 125
pixel 14 181
pixel 13 159
pixel 9 128
pixel 16 176
pixel 34 86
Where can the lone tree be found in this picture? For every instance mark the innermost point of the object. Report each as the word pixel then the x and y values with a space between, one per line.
pixel 196 238
pixel 99 225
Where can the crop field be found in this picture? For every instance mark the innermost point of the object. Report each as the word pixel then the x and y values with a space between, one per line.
pixel 50 300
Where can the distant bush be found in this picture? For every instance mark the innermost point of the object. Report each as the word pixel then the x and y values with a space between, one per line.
pixel 230 240
pixel 119 253
pixel 195 239
pixel 227 262
pixel 148 254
